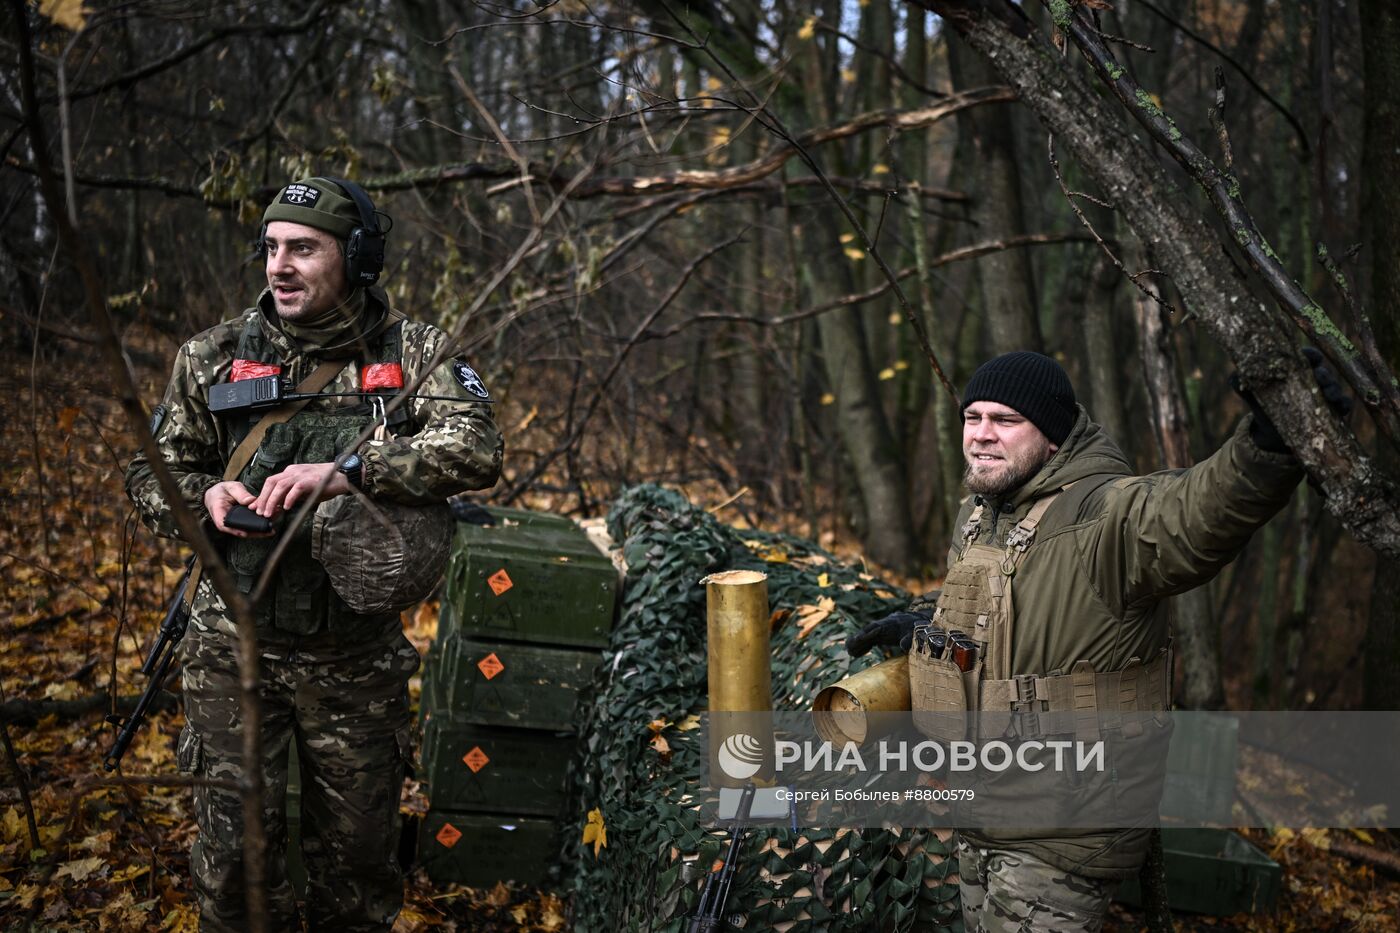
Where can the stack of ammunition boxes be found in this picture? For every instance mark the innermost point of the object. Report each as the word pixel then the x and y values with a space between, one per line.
pixel 527 604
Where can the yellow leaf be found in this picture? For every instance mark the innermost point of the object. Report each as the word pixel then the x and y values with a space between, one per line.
pixel 848 75
pixel 880 168
pixel 67 13
pixel 713 83
pixel 14 825
pixel 896 319
pixel 886 374
pixel 184 918
pixel 663 747
pixel 901 365
pixel 656 725
pixel 520 913
pixel 809 616
pixel 80 869
pixel 1317 838
pixel 847 237
pixel 551 913
pixel 67 690
pixel 595 832
pixel 828 398
pixel 688 723
pixel 1363 836
pixel 774 555
pixel 823 580
pixel 809 28
pixel 130 872
pixel 854 254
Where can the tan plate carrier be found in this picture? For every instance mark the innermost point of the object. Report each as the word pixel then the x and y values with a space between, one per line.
pixel 976 599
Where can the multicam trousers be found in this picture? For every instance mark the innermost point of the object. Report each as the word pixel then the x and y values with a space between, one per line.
pixel 1012 892
pixel 346 707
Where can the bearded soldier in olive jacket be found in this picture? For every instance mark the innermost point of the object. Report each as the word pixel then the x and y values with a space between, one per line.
pixel 1092 553
pixel 333 666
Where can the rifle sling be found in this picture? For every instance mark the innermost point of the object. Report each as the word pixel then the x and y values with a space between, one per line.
pixel 323 375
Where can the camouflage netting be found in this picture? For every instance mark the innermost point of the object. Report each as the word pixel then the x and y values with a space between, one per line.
pixel 648 876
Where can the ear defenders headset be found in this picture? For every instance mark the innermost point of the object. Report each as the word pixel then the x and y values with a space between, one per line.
pixel 364 247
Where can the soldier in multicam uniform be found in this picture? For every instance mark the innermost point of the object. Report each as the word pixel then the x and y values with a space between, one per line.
pixel 1092 552
pixel 332 680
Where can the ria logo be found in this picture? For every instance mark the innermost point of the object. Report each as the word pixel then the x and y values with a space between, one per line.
pixel 740 756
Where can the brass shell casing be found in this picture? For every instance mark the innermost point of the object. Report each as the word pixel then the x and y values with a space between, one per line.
pixel 740 666
pixel 840 710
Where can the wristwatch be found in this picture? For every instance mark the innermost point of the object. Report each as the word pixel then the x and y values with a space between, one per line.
pixel 354 470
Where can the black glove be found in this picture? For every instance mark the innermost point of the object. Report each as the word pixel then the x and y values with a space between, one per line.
pixel 470 512
pixel 1262 430
pixel 897 628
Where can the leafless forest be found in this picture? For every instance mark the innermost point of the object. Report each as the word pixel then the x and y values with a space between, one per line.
pixel 750 250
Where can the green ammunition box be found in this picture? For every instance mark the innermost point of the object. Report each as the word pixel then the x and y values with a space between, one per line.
pixel 479 849
pixel 508 684
pixel 531 577
pixel 1213 871
pixel 469 767
pixel 1201 765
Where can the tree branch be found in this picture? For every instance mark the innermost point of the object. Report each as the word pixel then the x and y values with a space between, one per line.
pixel 971 251
pixel 1256 338
pixel 270 30
pixel 255 838
pixel 1223 192
pixel 1249 78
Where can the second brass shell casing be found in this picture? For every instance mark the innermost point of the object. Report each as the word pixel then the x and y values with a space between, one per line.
pixel 740 667
pixel 840 711
pixel 741 678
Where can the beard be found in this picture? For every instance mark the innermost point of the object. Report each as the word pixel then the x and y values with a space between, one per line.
pixel 998 477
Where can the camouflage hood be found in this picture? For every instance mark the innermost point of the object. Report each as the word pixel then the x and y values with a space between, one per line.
pixel 372 316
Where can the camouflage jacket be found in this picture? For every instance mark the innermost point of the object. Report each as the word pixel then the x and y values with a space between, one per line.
pixel 453 447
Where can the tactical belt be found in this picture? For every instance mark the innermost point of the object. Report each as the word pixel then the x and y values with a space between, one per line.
pixel 1083 695
pixel 323 375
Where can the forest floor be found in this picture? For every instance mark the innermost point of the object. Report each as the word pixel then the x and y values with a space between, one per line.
pixel 83 586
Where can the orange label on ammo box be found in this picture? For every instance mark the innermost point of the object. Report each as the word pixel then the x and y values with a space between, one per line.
pixel 499 581
pixel 490 666
pixel 475 759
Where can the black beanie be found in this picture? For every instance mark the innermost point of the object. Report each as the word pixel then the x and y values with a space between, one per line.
pixel 1034 385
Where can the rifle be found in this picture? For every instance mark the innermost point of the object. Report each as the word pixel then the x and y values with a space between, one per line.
pixel 157 665
pixel 710 912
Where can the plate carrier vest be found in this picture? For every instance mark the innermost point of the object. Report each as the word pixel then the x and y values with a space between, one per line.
pixel 976 599
pixel 301 600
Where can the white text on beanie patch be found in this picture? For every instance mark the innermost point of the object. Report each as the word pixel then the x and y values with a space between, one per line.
pixel 301 195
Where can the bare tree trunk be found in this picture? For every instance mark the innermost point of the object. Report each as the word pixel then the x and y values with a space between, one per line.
pixel 1380 161
pixel 1008 286
pixel 1198 637
pixel 888 532
pixel 1101 353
